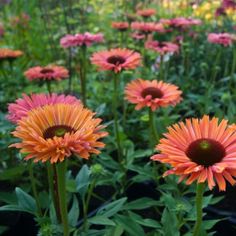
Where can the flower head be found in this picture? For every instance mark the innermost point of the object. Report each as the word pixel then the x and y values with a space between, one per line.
pixel 146 12
pixel 153 94
pixel 50 72
pixel 9 54
pixel 22 106
pixel 224 39
pixel 116 59
pixel 76 40
pixel 200 149
pixel 121 26
pixel 182 23
pixel 147 27
pixel 162 47
pixel 55 132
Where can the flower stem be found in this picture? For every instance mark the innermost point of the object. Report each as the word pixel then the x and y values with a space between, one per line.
pixel 115 112
pixel 153 125
pixel 33 186
pixel 61 177
pixel 199 200
pixel 49 86
pixel 83 68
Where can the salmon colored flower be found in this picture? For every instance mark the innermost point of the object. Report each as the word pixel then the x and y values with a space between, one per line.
pixel 181 22
pixel 162 47
pixel 116 59
pixel 50 72
pixel 147 27
pixel 9 54
pixel 138 36
pixel 55 132
pixel 22 106
pixel 121 26
pixel 146 12
pixel 224 39
pixel 86 39
pixel 200 149
pixel 153 94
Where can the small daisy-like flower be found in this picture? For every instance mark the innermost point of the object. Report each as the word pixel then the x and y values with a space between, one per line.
pixel 51 72
pixel 55 132
pixel 146 12
pixel 76 40
pixel 153 94
pixel 147 27
pixel 138 36
pixel 9 54
pixel 22 106
pixel 181 22
pixel 116 59
pixel 224 39
pixel 200 149
pixel 121 26
pixel 162 47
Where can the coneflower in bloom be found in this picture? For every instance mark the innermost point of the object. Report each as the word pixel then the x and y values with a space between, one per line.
pixel 200 149
pixel 55 132
pixel 138 36
pixel 224 39
pixel 153 94
pixel 147 27
pixel 9 54
pixel 162 47
pixel 86 39
pixel 146 12
pixel 181 22
pixel 22 106
pixel 50 72
pixel 116 59
pixel 121 26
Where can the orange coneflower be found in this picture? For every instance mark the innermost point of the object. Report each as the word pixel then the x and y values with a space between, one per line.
pixel 153 94
pixel 116 59
pixel 200 149
pixel 50 72
pixel 121 26
pixel 9 54
pixel 55 132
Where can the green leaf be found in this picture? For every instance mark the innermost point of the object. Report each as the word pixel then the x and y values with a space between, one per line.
pixel 73 214
pixel 129 225
pixel 112 208
pixel 149 223
pixel 101 220
pixel 9 198
pixel 167 219
pixel 82 180
pixel 12 173
pixel 25 201
pixel 3 229
pixel 208 224
pixel 115 231
pixel 12 208
pixel 139 204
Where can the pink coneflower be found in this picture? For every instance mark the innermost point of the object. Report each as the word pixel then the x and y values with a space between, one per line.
pixel 224 39
pixel 147 27
pixel 200 149
pixel 229 4
pixel 86 39
pixel 182 23
pixel 138 36
pixel 146 12
pixel 50 72
pixel 121 26
pixel 116 59
pixel 22 106
pixel 162 47
pixel 153 94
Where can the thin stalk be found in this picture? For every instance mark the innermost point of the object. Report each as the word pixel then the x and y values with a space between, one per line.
pixel 83 68
pixel 199 200
pixel 34 189
pixel 233 64
pixel 115 112
pixel 61 177
pixel 152 124
pixel 49 88
pixel 161 69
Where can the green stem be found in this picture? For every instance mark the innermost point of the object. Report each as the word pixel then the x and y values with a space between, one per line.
pixel 161 67
pixel 34 189
pixel 153 125
pixel 83 68
pixel 61 177
pixel 115 112
pixel 199 200
pixel 233 64
pixel 49 86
